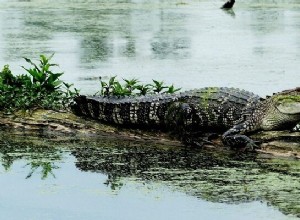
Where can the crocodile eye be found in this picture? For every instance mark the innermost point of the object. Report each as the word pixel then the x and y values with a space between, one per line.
pixel 289 107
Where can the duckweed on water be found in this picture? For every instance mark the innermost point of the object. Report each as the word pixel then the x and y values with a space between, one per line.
pixel 212 176
pixel 223 177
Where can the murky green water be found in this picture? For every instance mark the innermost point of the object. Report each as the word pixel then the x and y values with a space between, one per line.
pixel 191 43
pixel 187 42
pixel 106 179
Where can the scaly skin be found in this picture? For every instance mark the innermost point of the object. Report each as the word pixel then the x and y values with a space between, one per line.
pixel 235 111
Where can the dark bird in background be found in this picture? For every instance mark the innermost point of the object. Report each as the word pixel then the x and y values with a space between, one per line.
pixel 228 5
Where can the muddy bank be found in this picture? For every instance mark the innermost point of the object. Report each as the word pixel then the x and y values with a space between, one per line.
pixel 65 125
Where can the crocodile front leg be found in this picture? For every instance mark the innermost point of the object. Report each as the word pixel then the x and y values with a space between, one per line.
pixel 235 137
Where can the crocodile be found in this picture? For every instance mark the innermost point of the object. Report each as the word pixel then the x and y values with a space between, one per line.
pixel 233 112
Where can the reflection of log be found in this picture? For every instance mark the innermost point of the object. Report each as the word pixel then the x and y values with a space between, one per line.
pixel 278 143
pixel 216 176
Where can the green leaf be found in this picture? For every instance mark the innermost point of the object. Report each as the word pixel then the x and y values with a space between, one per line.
pixel 43 60
pixel 144 89
pixel 57 83
pixel 112 80
pixel 171 89
pixel 68 85
pixel 53 77
pixel 131 82
pixel 28 60
pixel 33 64
pixel 158 86
pixel 103 84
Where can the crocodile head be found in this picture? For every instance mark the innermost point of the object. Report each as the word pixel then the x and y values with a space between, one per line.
pixel 283 110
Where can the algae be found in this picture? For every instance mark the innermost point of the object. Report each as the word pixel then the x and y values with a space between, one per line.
pixel 206 96
pixel 216 176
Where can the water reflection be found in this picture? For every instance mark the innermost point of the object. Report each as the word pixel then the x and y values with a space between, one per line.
pixel 264 22
pixel 141 39
pixel 171 40
pixel 96 48
pixel 192 45
pixel 45 168
pixel 226 177
pixel 217 177
pixel 230 12
pixel 42 160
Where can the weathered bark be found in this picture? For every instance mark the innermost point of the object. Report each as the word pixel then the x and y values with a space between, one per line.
pixel 277 143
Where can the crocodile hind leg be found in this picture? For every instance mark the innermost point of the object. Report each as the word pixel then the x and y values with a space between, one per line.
pixel 180 120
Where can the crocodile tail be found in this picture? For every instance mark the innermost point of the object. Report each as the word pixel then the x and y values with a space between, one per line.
pixel 85 106
pixel 79 106
pixel 125 111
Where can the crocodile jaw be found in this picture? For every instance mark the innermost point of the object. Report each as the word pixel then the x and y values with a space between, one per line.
pixel 279 118
pixel 281 111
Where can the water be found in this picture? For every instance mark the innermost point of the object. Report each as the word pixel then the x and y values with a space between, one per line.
pixel 186 42
pixel 108 179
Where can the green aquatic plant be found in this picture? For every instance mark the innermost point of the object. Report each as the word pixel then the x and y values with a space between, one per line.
pixel 157 86
pixel 131 84
pixel 143 89
pixel 6 77
pixel 42 75
pixel 172 89
pixel 113 87
pixel 39 88
pixel 133 87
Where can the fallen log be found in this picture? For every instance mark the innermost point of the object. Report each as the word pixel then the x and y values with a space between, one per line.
pixel 36 122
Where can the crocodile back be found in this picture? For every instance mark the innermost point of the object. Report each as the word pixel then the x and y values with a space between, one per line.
pixel 218 107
